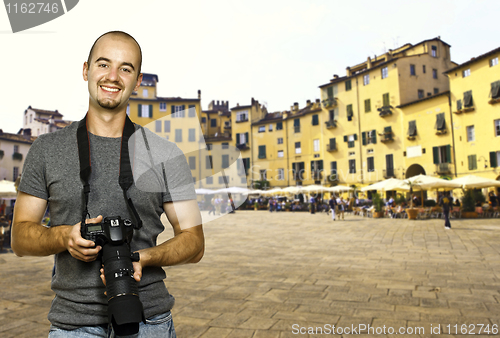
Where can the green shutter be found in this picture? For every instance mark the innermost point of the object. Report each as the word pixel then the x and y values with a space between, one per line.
pixel 237 138
pixel 247 140
pixel 355 137
pixel 296 122
pixel 315 120
pixel 150 111
pixel 367 106
pixel 388 130
pixel 386 100
pixel 448 153
pixel 173 109
pixel 474 162
pixel 435 155
pixel 329 90
pixel 140 110
pixel 493 159
pixel 363 138
pixel 374 136
pixel 345 138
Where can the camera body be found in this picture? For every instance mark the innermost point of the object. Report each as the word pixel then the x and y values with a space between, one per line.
pixel 114 235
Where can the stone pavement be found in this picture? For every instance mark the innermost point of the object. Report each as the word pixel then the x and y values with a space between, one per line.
pixel 278 274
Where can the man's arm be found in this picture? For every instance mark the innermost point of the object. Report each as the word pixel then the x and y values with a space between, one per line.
pixel 188 243
pixel 31 238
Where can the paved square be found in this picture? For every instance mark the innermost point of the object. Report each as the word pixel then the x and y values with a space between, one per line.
pixel 278 274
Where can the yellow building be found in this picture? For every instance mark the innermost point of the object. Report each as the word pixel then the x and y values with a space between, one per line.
pixel 475 103
pixel 362 115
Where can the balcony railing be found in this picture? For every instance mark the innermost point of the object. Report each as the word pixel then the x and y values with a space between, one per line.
pixel 331 124
pixel 331 147
pixel 329 102
pixel 218 136
pixel 443 168
pixel 388 173
pixel 242 146
pixel 385 111
pixel 386 137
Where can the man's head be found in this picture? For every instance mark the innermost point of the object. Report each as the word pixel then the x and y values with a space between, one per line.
pixel 113 70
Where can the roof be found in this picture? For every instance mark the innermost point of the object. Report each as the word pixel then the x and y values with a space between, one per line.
pixel 44 112
pixel 242 107
pixel 17 138
pixel 270 117
pixel 474 59
pixel 423 99
pixel 164 99
pixel 215 111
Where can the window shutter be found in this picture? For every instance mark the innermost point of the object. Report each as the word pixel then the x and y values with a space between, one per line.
pixel 388 130
pixel 363 138
pixel 474 162
pixel 296 122
pixel 435 155
pixel 493 159
pixel 495 90
pixel 345 138
pixel 329 90
pixel 139 114
pixel 237 138
pixel 247 140
pixel 386 100
pixel 332 143
pixel 448 153
pixel 468 99
pixel 355 137
pixel 320 164
pixel 459 104
pixel 374 136
pixel 315 120
pixel 367 106
pixel 173 109
pixel 150 111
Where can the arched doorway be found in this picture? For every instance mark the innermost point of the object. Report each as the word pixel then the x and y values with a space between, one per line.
pixel 414 170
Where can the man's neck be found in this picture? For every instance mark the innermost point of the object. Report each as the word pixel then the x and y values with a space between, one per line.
pixel 106 124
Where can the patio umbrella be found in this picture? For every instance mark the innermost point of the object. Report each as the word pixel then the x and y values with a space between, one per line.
pixel 233 190
pixel 272 191
pixel 339 188
pixel 424 182
pixel 388 184
pixel 203 191
pixel 7 189
pixel 472 181
pixel 292 190
pixel 314 188
pixel 256 192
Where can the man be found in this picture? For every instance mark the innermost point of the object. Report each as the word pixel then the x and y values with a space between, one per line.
pixel 52 173
pixel 446 202
pixel 333 204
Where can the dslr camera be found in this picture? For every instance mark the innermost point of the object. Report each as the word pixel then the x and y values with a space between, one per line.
pixel 114 235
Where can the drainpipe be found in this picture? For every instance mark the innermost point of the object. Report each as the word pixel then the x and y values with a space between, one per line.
pixel 452 134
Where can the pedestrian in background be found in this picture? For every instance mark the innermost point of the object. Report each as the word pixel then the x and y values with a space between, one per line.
pixel 446 203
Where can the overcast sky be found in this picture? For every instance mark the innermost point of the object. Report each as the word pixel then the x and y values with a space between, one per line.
pixel 277 52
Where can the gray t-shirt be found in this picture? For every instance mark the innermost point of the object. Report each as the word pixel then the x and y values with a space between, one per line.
pixel 52 172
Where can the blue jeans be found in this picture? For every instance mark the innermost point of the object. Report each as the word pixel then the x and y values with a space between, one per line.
pixel 160 326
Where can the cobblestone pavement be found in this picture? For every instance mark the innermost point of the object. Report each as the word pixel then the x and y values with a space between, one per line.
pixel 278 274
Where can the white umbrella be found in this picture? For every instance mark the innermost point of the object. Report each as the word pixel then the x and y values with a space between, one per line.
pixel 339 188
pixel 256 192
pixel 7 189
pixel 313 188
pixel 424 182
pixel 292 189
pixel 272 191
pixel 472 181
pixel 203 191
pixel 233 190
pixel 389 184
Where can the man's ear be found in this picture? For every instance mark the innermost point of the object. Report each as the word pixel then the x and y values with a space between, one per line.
pixel 138 83
pixel 85 71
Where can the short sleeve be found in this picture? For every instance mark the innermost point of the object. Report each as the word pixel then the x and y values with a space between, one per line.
pixel 33 178
pixel 178 178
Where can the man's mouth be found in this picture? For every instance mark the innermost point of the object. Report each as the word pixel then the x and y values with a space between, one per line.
pixel 110 89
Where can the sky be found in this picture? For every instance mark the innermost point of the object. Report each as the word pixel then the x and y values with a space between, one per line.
pixel 277 52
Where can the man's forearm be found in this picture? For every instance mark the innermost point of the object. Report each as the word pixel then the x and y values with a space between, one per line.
pixel 186 247
pixel 33 239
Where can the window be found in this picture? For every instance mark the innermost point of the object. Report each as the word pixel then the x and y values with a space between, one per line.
pixel 352 166
pixel 145 110
pixel 210 180
pixel 191 110
pixel 471 137
pixel 412 128
pixel 333 168
pixel 144 93
pixel 298 170
pixel 241 138
pixel 208 162
pixel 412 70
pixel 15 173
pixel 203 120
pixel 333 115
pixel 298 150
pixel 385 100
pixel 495 90
pixel 423 69
pixel 434 73
pixel 366 79
pixel 242 116
pixel 270 128
pixel 369 137
pixel 296 125
pixel 262 129
pixel 349 112
pixel 177 111
pixel 494 159
pixel 436 91
pixel 441 154
pixel 385 72
pixel 281 174
pixel 494 62
pixel 329 92
pixel 468 102
pixel 434 51
pixel 316 145
pixel 440 122
pixel 225 161
pixel 262 151
pixel 315 120
pixel 350 140
pixel 348 85
pixel 370 164
pixel 178 135
pixel 280 140
pixel 466 72
pixel 459 104
pixel 213 122
pixel 280 153
pixel 279 125
pixel 191 135
pixel 166 126
pixel 421 94
pixel 472 159
pixel 158 126
pixel 497 128
pixel 192 162
pixel 389 165
pixel 16 149
pixel 223 179
pixel 331 144
pixel 225 145
pixel 163 106
pixel 263 174
pixel 368 106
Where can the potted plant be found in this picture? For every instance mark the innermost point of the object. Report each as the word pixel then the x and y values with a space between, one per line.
pixel 378 204
pixel 468 205
pixel 256 206
pixel 411 211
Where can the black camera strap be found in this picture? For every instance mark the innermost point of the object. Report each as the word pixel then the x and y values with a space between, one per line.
pixel 125 178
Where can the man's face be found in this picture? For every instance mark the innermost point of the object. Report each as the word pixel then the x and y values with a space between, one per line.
pixel 112 73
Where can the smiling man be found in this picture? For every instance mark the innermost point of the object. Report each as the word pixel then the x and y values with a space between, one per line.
pixel 52 173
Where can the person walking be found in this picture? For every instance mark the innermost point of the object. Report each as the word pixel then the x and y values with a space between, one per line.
pixel 340 207
pixel 446 203
pixel 332 204
pixel 212 206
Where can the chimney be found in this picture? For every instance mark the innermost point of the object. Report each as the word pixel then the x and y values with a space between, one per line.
pixel 308 102
pixel 368 63
pixel 199 94
pixel 348 71
pixel 335 76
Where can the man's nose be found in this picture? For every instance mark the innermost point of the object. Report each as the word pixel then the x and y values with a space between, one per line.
pixel 112 74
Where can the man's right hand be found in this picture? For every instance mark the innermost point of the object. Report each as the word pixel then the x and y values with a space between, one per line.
pixel 79 247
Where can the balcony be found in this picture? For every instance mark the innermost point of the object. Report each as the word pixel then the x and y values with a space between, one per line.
pixel 331 124
pixel 331 147
pixel 443 168
pixel 388 173
pixel 385 111
pixel 242 146
pixel 227 125
pixel 441 131
pixel 494 100
pixel 17 156
pixel 218 136
pixel 386 137
pixel 316 175
pixel 329 102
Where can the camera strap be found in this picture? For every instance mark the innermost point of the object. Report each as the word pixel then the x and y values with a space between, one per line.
pixel 125 178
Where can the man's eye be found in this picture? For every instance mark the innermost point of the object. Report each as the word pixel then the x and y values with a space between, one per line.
pixel 102 65
pixel 126 70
